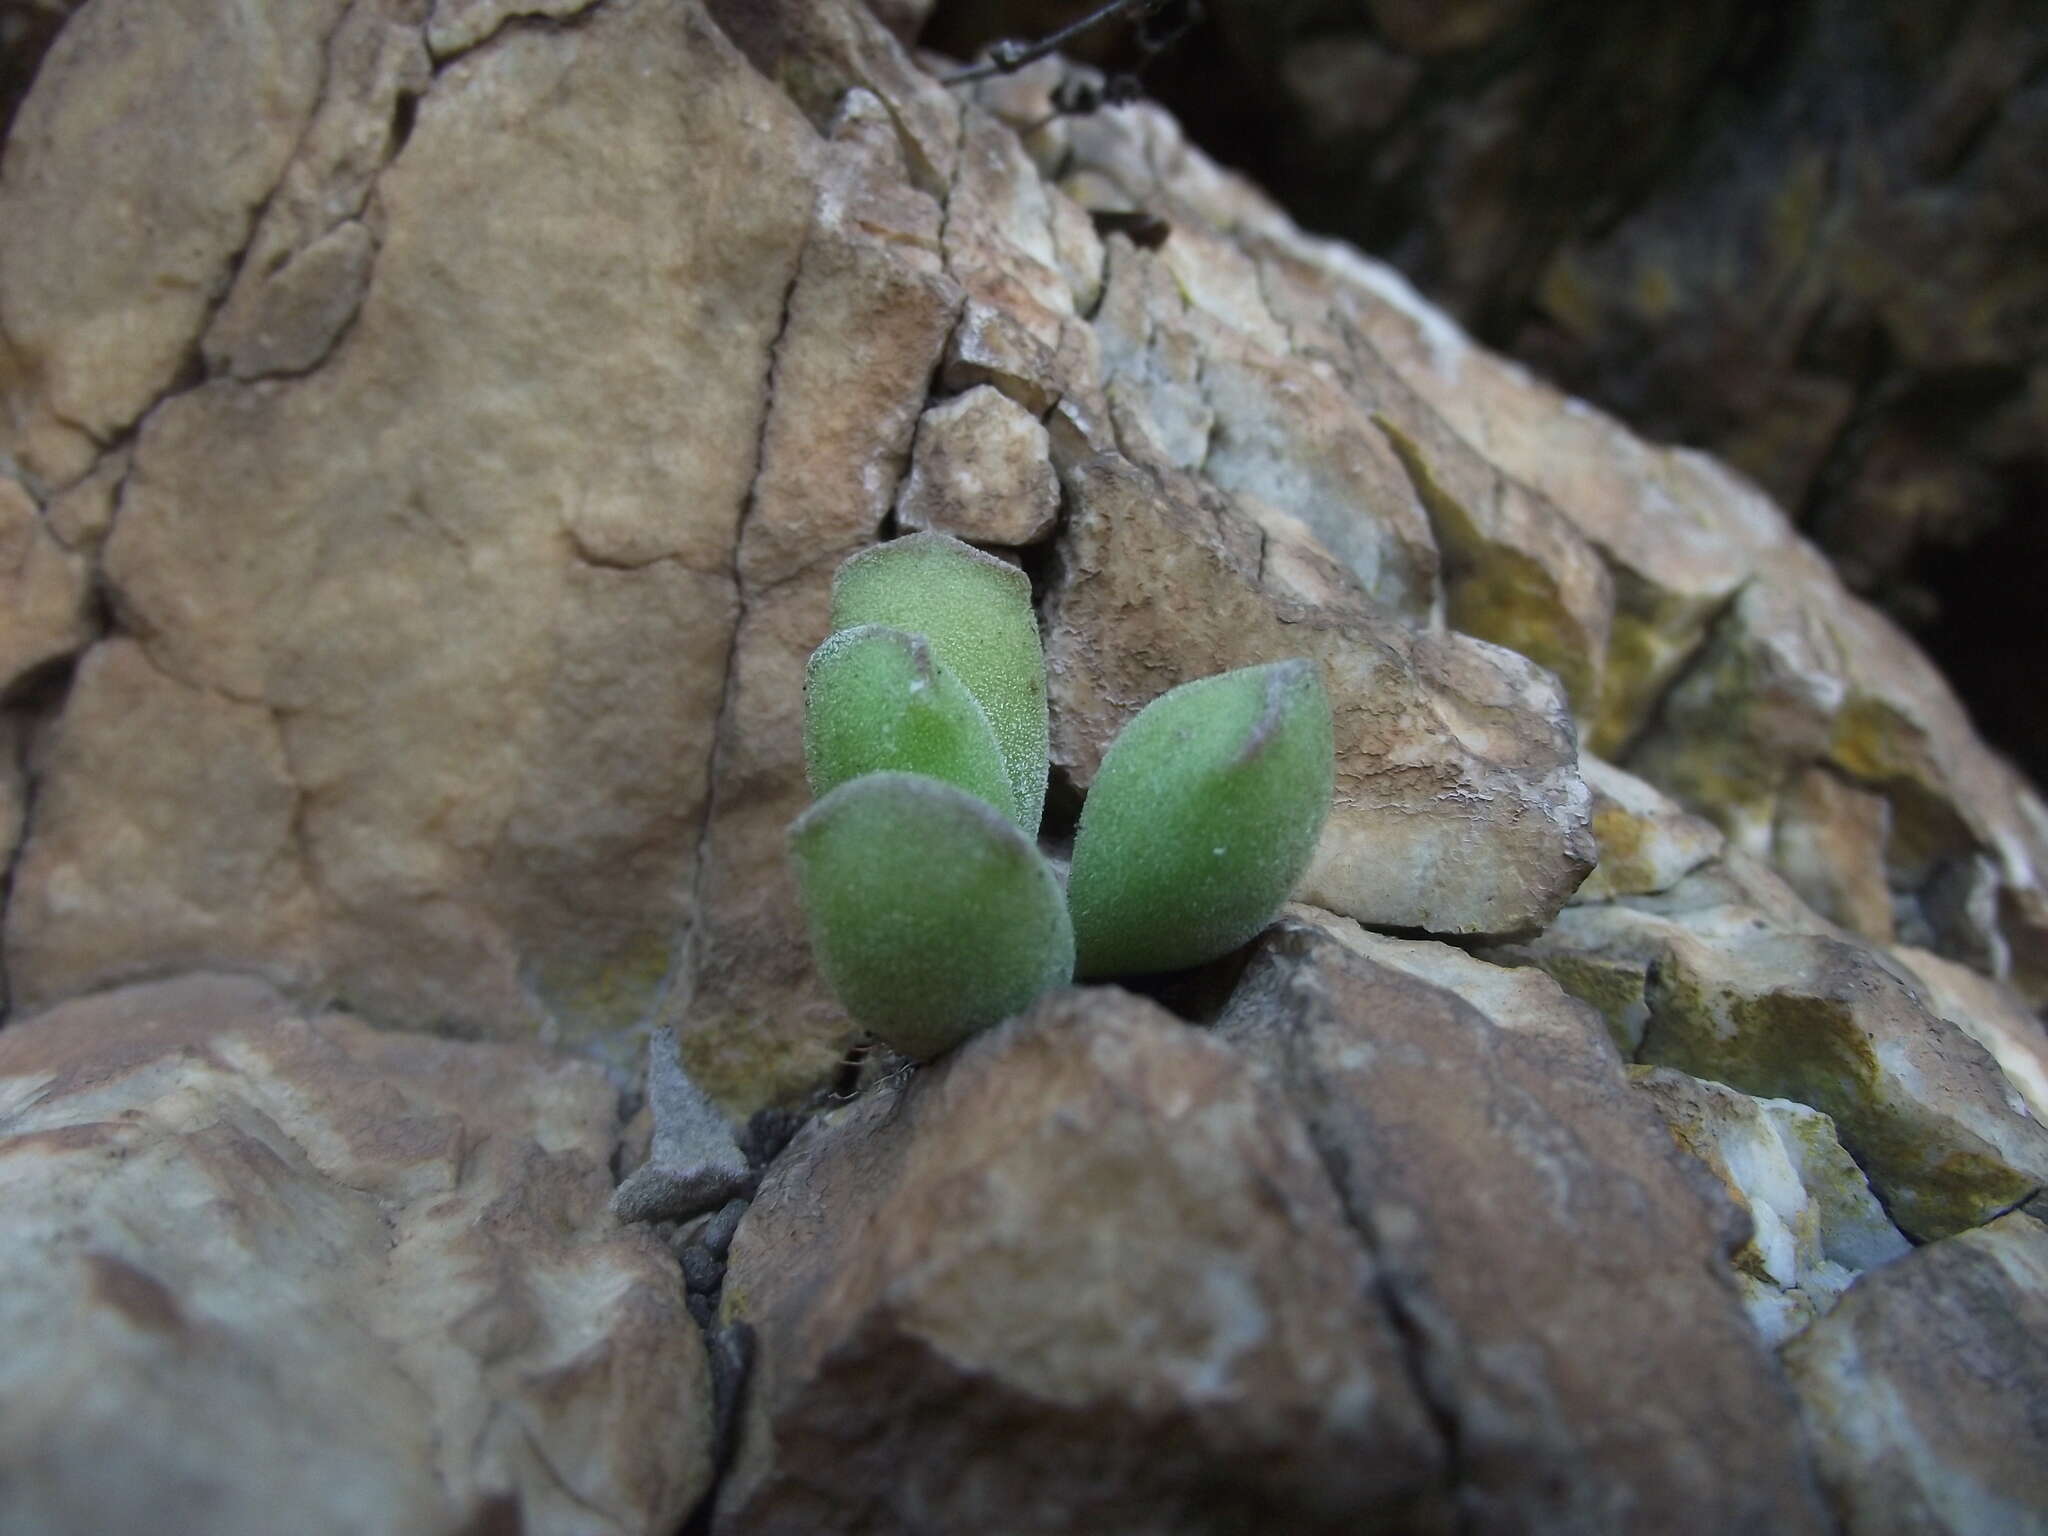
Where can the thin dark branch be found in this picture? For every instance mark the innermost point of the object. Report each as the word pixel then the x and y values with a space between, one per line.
pixel 1008 56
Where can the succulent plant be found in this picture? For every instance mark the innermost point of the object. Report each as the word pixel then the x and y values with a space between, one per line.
pixel 932 912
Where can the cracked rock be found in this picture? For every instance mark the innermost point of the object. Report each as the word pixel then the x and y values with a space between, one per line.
pixel 1946 1141
pixel 1542 1240
pixel 45 591
pixel 982 471
pixel 261 1266
pixel 1925 1392
pixel 1814 1223
pixel 1085 1274
pixel 694 1165
pixel 1459 808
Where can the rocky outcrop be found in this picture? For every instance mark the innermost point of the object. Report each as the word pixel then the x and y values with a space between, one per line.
pixel 1087 1273
pixel 1542 1242
pixel 265 1268
pixel 417 549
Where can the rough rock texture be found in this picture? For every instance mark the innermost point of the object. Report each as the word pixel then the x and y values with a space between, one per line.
pixel 1807 238
pixel 1926 1390
pixel 1085 1274
pixel 1814 1223
pixel 424 458
pixel 1946 1140
pixel 263 1267
pixel 981 470
pixel 1540 1238
pixel 1458 809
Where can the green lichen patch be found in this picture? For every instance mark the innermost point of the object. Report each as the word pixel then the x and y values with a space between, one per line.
pixel 975 611
pixel 931 915
pixel 1915 1102
pixel 1201 820
pixel 877 701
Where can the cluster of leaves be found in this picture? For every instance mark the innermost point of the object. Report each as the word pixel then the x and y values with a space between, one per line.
pixel 933 914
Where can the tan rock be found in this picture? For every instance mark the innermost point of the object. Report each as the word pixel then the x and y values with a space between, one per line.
pixel 1814 1223
pixel 1829 843
pixel 1085 1274
pixel 981 470
pixel 867 319
pixel 1945 1140
pixel 82 513
pixel 258 1262
pixel 1992 1015
pixel 1458 807
pixel 1647 843
pixel 1541 1239
pixel 471 578
pixel 109 262
pixel 45 591
pixel 1923 1391
pixel 459 25
pixel 308 262
pixel 757 1025
pixel 182 855
pixel 1515 571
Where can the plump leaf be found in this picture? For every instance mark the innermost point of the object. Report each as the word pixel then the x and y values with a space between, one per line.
pixel 931 915
pixel 976 612
pixel 876 700
pixel 1201 819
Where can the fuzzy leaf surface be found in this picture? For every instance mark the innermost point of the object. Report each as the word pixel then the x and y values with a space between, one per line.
pixel 876 700
pixel 931 915
pixel 1201 819
pixel 976 613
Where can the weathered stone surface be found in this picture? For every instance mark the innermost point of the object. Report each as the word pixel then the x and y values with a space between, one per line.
pixel 103 292
pixel 1647 843
pixel 182 856
pixel 1926 1391
pixel 1540 1237
pixel 692 1165
pixel 981 470
pixel 1946 1141
pixel 302 278
pixel 1083 1274
pixel 458 25
pixel 1814 1222
pixel 1989 1014
pixel 1828 841
pixel 486 640
pixel 45 590
pixel 1458 807
pixel 262 1267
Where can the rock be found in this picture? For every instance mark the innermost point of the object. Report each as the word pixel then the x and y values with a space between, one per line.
pixel 184 856
pixel 484 648
pixel 693 1165
pixel 1458 807
pixel 1647 844
pixel 257 1261
pixel 1989 1014
pixel 981 470
pixel 1923 1391
pixel 45 591
pixel 1828 841
pixel 302 278
pixel 1814 1222
pixel 1945 1140
pixel 82 514
pixel 103 292
pixel 1084 1274
pixel 457 26
pixel 1541 1240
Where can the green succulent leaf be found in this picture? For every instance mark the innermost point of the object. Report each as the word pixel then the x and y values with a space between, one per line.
pixel 931 915
pixel 876 700
pixel 1201 819
pixel 976 613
